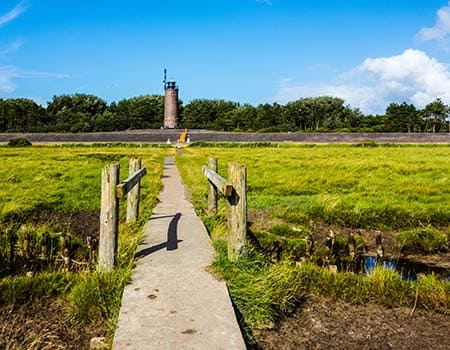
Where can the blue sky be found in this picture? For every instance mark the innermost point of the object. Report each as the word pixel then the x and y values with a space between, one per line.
pixel 369 53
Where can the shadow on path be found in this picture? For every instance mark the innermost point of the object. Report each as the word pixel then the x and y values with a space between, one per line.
pixel 162 217
pixel 172 238
pixel 172 233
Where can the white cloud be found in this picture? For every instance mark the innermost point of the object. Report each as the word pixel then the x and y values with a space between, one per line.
pixel 14 46
pixel 441 29
pixel 412 76
pixel 267 2
pixel 8 74
pixel 39 74
pixel 14 13
pixel 365 98
pixel 319 68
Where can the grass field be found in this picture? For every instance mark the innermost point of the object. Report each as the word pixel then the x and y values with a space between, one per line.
pixel 297 191
pixel 54 192
pixel 377 187
pixel 64 179
pixel 294 191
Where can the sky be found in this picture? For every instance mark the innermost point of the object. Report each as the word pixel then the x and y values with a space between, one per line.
pixel 368 52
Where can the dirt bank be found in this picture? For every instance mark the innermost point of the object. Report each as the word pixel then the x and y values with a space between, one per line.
pixel 324 324
pixel 43 324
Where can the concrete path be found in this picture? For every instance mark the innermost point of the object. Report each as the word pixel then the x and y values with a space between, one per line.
pixel 173 302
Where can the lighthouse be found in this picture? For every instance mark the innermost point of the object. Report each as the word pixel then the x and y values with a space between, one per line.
pixel 170 103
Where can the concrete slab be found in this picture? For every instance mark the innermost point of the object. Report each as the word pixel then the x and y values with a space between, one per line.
pixel 173 302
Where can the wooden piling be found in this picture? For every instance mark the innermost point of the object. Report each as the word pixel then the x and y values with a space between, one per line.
pixel 212 189
pixel 237 211
pixel 351 246
pixel 45 243
pixel 109 218
pixel 26 245
pixel 379 246
pixel 133 195
pixel 12 240
pixel 64 248
pixel 309 249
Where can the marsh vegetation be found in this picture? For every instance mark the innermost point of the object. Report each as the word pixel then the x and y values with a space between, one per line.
pixel 51 295
pixel 351 192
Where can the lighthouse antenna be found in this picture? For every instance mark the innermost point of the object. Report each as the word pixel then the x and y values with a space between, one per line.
pixel 165 78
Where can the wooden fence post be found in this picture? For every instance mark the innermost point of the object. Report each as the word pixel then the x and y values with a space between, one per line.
pixel 109 218
pixel 212 189
pixel 133 195
pixel 237 211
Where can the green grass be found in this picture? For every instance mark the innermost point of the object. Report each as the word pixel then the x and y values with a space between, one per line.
pixel 421 240
pixel 265 293
pixel 291 188
pixel 64 179
pixel 19 142
pixel 21 289
pixel 67 179
pixel 370 187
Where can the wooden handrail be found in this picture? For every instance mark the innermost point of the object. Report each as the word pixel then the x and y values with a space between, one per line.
pixel 218 181
pixel 129 183
pixel 112 191
pixel 235 192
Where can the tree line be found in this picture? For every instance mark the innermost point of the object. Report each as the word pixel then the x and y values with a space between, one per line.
pixel 89 113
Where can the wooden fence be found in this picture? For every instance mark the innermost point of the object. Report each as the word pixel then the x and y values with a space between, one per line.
pixel 235 192
pixel 112 191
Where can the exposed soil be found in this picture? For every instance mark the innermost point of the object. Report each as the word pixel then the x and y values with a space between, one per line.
pixel 262 220
pixel 438 260
pixel 317 324
pixel 43 324
pixel 325 324
pixel 321 232
pixel 320 323
pixel 81 224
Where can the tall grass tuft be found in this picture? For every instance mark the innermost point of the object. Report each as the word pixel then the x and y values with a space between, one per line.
pixel 369 185
pixel 265 293
pixel 23 288
pixel 421 240
pixel 96 298
pixel 434 294
pixel 70 178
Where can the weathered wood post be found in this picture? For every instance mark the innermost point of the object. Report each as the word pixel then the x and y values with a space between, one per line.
pixel 133 195
pixel 212 189
pixel 66 252
pixel 235 191
pixel 109 218
pixel 237 211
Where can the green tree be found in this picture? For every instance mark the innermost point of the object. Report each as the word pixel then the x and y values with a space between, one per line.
pixel 22 115
pixel 435 115
pixel 402 118
pixel 320 113
pixel 76 112
pixel 244 118
pixel 209 114
pixel 372 123
pixel 142 112
pixel 268 117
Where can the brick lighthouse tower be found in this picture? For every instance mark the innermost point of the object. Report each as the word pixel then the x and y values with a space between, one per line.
pixel 170 103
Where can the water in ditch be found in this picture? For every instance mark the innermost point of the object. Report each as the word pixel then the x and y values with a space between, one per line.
pixel 409 271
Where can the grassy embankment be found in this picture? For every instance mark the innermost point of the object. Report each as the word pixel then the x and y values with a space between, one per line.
pixel 296 191
pixel 43 188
